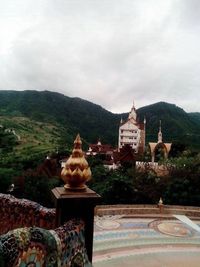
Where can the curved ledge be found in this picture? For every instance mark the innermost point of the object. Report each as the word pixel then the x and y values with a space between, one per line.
pixel 147 210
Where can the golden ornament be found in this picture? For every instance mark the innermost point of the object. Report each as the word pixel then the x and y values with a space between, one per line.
pixel 76 171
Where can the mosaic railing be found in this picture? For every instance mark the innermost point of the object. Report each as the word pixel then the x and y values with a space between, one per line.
pixel 33 245
pixel 16 213
pixel 37 247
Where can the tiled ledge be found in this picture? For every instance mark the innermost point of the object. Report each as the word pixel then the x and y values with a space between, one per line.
pixel 150 210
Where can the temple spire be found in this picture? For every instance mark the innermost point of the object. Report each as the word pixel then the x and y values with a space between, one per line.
pixel 160 134
pixel 133 103
pixel 132 114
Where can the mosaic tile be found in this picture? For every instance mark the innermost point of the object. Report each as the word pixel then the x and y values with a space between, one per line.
pixel 36 246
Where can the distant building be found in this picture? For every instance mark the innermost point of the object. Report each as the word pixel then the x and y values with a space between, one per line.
pixel 160 146
pixel 131 143
pixel 126 155
pixel 99 148
pixel 132 132
pixel 105 151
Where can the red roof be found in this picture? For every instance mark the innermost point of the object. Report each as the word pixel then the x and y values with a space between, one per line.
pixel 101 148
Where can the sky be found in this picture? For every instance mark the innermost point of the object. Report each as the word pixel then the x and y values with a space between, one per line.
pixel 109 52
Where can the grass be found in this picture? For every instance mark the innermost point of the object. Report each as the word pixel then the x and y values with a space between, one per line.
pixel 34 136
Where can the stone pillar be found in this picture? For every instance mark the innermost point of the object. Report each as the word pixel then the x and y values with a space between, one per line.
pixel 77 204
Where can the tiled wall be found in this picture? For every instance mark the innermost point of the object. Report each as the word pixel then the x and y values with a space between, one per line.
pixel 16 213
pixel 34 244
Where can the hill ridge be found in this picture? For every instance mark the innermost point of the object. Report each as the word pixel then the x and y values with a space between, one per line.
pixel 92 121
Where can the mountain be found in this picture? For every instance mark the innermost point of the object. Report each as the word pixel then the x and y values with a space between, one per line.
pixel 68 116
pixel 74 114
pixel 30 134
pixel 177 125
pixel 195 116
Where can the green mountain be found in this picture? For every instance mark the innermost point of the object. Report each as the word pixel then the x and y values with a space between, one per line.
pixel 177 125
pixel 30 134
pixel 50 119
pixel 73 114
pixel 195 116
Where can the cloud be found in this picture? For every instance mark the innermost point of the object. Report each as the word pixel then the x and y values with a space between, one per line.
pixel 108 52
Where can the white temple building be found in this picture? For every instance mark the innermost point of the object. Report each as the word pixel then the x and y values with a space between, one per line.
pixel 132 133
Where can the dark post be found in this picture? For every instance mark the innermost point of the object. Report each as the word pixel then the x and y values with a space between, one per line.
pixel 72 204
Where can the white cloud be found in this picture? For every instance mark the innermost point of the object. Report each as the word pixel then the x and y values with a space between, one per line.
pixel 108 51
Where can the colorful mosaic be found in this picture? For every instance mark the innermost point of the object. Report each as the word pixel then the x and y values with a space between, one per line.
pixel 145 242
pixel 171 228
pixel 16 213
pixel 107 222
pixel 37 247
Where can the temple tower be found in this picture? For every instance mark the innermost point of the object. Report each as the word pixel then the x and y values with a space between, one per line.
pixel 132 133
pixel 165 147
pixel 160 134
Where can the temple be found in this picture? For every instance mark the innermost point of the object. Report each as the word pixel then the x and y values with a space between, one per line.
pixel 132 132
pixel 159 147
pixel 99 148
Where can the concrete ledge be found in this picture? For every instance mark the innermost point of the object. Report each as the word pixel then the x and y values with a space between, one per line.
pixel 150 210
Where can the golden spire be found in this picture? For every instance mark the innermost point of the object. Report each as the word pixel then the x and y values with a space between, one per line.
pixel 76 171
pixel 160 201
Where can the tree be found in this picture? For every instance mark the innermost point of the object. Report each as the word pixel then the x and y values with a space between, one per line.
pixel 7 141
pixel 177 149
pixel 183 187
pixel 118 189
pixel 39 189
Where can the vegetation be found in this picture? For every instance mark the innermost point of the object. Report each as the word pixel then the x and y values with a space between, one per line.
pixel 68 116
pixel 6 178
pixel 40 128
pixel 177 125
pixel 128 186
pixel 31 135
pixel 7 141
pixel 183 186
pixel 73 114
pixel 39 189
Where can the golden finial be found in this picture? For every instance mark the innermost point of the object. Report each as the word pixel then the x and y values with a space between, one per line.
pixel 160 205
pixel 160 201
pixel 76 171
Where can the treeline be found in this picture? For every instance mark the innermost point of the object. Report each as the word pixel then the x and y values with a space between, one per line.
pixel 126 185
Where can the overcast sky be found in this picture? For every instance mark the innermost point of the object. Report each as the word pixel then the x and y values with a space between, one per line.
pixel 106 51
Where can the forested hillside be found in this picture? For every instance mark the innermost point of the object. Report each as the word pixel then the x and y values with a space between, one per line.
pixel 177 125
pixel 59 118
pixel 74 114
pixel 195 116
